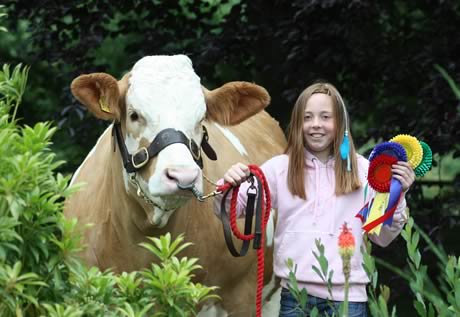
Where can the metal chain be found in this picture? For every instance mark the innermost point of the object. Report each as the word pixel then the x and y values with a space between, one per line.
pixel 140 193
pixel 211 194
pixel 196 193
pixel 208 180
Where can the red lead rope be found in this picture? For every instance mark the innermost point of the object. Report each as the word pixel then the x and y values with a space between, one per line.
pixel 256 171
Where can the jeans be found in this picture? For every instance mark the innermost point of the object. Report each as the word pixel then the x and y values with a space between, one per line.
pixel 291 308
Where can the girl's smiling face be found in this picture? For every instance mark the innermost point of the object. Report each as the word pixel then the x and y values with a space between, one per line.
pixel 319 125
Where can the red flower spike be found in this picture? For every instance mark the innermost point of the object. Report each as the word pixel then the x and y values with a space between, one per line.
pixel 346 241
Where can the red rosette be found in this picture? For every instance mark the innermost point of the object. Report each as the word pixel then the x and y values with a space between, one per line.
pixel 379 174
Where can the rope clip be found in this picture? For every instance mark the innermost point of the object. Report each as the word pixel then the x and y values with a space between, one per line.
pixel 199 195
pixel 252 189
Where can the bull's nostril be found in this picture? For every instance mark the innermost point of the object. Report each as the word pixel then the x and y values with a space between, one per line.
pixel 181 175
pixel 169 176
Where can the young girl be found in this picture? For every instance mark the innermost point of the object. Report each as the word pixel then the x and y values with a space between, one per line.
pixel 315 192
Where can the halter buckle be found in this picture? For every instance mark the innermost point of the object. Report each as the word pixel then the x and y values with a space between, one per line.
pixel 143 155
pixel 194 147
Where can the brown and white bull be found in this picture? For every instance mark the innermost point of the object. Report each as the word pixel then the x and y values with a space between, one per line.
pixel 127 199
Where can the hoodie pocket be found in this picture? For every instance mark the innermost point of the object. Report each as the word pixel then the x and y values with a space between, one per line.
pixel 311 224
pixel 299 247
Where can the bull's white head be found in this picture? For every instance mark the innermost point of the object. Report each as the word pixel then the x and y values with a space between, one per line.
pixel 163 92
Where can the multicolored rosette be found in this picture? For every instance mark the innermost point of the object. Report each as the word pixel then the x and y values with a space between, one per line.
pixel 380 210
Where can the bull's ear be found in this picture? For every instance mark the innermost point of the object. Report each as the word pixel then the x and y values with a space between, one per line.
pixel 234 102
pixel 101 94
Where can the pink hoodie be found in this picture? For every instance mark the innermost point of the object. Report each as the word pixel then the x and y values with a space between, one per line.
pixel 300 222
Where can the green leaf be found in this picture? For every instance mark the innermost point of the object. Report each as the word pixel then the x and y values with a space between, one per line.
pixel 450 80
pixel 318 272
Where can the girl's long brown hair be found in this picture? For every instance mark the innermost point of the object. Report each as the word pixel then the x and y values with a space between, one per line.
pixel 345 181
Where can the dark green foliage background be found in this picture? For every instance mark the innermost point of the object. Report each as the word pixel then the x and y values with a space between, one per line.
pixel 380 54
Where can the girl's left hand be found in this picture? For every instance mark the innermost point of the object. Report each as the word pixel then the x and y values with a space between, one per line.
pixel 403 172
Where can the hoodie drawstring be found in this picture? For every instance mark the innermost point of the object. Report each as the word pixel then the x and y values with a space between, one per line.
pixel 315 208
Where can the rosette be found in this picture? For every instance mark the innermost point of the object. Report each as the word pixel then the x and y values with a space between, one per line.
pixel 389 148
pixel 427 160
pixel 380 209
pixel 413 148
pixel 379 173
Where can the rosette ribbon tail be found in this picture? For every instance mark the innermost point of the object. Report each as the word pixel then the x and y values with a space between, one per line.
pixel 394 196
pixel 364 212
pixel 380 204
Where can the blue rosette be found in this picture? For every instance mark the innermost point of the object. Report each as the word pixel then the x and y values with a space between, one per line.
pixel 389 148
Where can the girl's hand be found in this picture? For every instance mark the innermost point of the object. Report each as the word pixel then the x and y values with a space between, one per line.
pixel 237 174
pixel 403 172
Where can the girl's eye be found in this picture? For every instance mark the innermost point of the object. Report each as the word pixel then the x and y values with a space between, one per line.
pixel 134 116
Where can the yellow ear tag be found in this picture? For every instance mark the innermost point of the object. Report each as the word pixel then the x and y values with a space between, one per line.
pixel 103 105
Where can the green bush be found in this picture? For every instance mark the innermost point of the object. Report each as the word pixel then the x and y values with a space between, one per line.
pixel 430 298
pixel 40 273
pixel 440 298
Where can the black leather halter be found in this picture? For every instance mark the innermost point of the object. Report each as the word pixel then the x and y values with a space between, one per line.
pixel 134 162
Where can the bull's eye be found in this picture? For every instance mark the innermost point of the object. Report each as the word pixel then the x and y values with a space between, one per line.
pixel 133 116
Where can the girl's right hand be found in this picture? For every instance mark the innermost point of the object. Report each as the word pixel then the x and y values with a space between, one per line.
pixel 237 174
